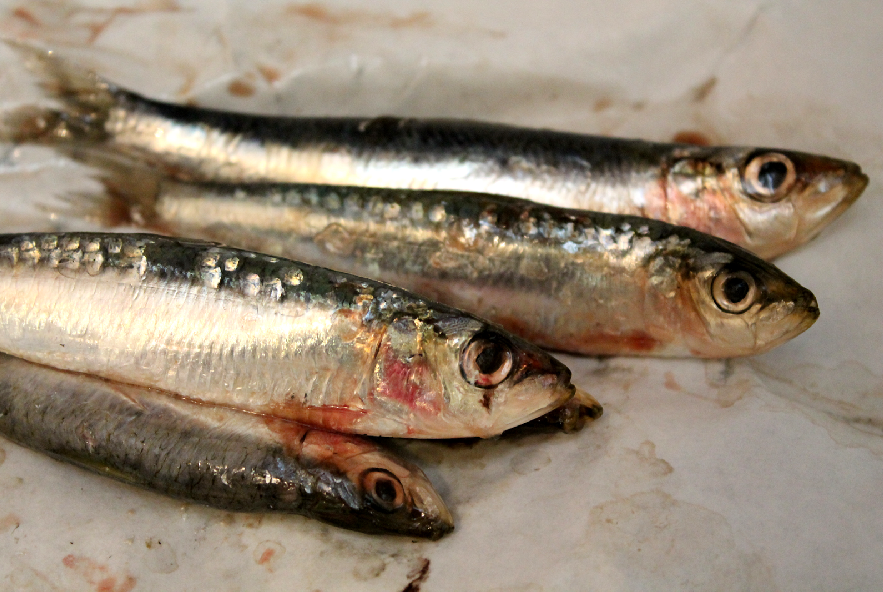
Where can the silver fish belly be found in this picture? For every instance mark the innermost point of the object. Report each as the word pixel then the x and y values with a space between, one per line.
pixel 267 335
pixel 766 200
pixel 215 456
pixel 569 280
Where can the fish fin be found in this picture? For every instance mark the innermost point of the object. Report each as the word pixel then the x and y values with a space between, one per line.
pixel 96 465
pixel 129 196
pixel 86 100
pixel 130 189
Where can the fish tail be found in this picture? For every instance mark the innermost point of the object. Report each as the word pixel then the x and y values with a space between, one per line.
pixel 85 102
pixel 129 196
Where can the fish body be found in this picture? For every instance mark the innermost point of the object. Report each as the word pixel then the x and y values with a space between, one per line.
pixel 569 280
pixel 767 201
pixel 215 456
pixel 267 335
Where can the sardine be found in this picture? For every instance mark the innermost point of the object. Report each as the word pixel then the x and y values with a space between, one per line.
pixel 766 200
pixel 569 280
pixel 267 335
pixel 215 456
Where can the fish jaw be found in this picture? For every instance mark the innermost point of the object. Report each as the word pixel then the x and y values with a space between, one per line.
pixel 430 517
pixel 570 417
pixel 802 315
pixel 836 186
pixel 527 410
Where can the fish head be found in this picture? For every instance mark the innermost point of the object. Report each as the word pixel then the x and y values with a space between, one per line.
pixel 456 376
pixel 735 304
pixel 767 201
pixel 373 491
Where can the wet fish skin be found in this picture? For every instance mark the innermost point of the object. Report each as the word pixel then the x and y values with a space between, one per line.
pixel 267 335
pixel 724 191
pixel 569 280
pixel 215 456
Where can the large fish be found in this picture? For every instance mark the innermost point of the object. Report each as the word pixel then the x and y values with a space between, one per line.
pixel 766 200
pixel 216 456
pixel 571 280
pixel 267 335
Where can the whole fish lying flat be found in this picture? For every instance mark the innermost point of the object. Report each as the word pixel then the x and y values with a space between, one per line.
pixel 570 280
pixel 216 456
pixel 267 335
pixel 768 201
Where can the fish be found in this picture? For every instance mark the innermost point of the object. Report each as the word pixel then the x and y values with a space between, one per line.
pixel 568 280
pixel 766 200
pixel 267 335
pixel 215 456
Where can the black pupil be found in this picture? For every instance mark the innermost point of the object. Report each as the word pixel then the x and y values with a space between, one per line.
pixel 490 359
pixel 736 289
pixel 771 175
pixel 385 490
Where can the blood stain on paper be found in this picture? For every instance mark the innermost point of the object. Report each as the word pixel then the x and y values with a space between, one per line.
pixel 98 575
pixel 316 12
pixel 691 137
pixel 646 455
pixel 9 521
pixel 417 576
pixel 269 73
pixel 98 28
pixel 602 104
pixel 26 15
pixel 161 558
pixel 241 88
pixel 369 568
pixel 267 554
pixel 65 24
pixel 701 92
pixel 671 383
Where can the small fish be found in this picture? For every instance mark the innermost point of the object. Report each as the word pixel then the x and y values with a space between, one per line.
pixel 216 456
pixel 768 201
pixel 568 280
pixel 267 335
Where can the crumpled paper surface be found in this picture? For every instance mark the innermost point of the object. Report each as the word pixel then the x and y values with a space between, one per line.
pixel 752 474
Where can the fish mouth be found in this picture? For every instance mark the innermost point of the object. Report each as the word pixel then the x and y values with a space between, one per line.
pixel 430 518
pixel 811 313
pixel 806 312
pixel 570 417
pixel 832 195
pixel 525 406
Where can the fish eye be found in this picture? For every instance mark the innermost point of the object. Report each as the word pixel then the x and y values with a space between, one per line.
pixel 486 361
pixel 384 489
pixel 734 291
pixel 768 177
